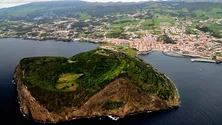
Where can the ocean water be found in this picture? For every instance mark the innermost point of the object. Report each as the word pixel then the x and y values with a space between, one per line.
pixel 199 85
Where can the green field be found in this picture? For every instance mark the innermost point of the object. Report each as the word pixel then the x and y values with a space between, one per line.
pixel 114 33
pixel 124 22
pixel 82 15
pixel 159 20
pixel 67 82
pixel 215 13
pixel 147 24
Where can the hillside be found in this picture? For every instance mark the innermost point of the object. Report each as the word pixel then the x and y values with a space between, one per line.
pixel 219 1
pixel 66 20
pixel 61 9
pixel 95 83
pixel 57 9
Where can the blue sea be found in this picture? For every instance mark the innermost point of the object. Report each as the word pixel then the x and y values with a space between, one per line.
pixel 199 85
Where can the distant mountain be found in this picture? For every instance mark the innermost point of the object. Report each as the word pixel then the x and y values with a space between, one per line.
pixel 66 8
pixel 69 8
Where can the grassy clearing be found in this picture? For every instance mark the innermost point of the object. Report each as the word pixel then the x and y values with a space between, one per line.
pixel 67 82
pixel 215 13
pixel 125 22
pixel 102 52
pixel 82 15
pixel 115 33
pixel 147 24
pixel 159 20
pixel 129 51
pixel 191 30
pixel 70 61
pixel 199 12
pixel 156 32
pixel 214 27
pixel 185 10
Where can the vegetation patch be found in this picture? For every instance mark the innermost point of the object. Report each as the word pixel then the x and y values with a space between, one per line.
pixel 115 33
pixel 110 105
pixel 148 24
pixel 166 39
pixel 163 21
pixel 82 15
pixel 67 82
pixel 124 22
pixel 191 30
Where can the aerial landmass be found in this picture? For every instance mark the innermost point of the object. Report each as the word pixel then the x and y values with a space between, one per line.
pixel 96 83
pixel 111 80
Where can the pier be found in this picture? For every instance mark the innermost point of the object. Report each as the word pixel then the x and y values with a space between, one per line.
pixel 203 60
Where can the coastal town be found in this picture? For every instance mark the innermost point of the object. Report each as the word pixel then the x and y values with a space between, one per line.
pixel 171 35
pixel 196 46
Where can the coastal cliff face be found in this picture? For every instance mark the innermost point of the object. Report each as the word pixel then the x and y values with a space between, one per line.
pixel 119 98
pixel 28 105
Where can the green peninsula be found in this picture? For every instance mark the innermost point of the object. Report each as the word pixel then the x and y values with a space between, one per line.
pixel 100 82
